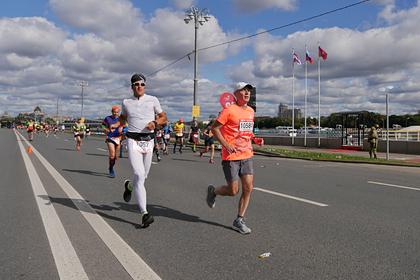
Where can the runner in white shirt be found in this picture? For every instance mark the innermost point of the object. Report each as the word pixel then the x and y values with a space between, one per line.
pixel 143 113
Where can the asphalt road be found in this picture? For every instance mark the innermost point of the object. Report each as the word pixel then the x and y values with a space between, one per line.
pixel 319 220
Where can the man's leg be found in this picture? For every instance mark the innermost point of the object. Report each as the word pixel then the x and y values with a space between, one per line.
pixel 181 144
pixel 111 158
pixel 247 186
pixel 137 165
pixel 176 140
pixel 374 150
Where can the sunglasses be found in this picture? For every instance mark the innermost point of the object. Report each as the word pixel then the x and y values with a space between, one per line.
pixel 138 84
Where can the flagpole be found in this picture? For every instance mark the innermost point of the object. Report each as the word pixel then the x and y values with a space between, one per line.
pixel 293 101
pixel 306 90
pixel 319 99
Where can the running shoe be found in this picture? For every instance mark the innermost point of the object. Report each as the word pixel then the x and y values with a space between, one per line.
pixel 180 151
pixel 211 196
pixel 146 220
pixel 240 226
pixel 128 188
pixel 201 154
pixel 211 161
pixel 111 173
pixel 159 158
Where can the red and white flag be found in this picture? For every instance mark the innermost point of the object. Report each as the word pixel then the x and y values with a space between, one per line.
pixel 322 53
pixel 296 59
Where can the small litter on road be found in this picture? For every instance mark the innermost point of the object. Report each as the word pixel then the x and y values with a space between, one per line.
pixel 264 255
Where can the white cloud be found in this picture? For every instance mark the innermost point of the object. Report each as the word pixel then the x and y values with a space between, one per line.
pixel 29 37
pixel 109 18
pixel 40 62
pixel 254 5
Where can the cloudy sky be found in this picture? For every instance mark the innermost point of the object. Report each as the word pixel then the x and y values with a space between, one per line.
pixel 48 47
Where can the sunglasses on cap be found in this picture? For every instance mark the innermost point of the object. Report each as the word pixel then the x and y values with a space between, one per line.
pixel 138 84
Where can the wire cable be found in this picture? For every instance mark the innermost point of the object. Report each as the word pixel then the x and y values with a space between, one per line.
pixel 260 33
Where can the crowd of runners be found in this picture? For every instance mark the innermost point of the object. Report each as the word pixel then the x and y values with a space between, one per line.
pixel 143 129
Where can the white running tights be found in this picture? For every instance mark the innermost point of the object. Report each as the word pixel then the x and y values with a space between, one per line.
pixel 140 163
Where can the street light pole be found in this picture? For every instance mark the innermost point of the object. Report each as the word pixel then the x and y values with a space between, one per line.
pixel 199 16
pixel 387 126
pixel 82 84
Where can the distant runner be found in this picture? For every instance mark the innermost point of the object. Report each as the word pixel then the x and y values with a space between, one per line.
pixel 208 142
pixel 158 142
pixel 179 134
pixel 234 129
pixel 194 135
pixel 30 127
pixel 113 129
pixel 79 132
pixel 167 129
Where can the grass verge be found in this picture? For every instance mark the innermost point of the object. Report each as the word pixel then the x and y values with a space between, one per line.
pixel 308 155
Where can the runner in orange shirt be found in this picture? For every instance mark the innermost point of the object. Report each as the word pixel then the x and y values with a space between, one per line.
pixel 234 130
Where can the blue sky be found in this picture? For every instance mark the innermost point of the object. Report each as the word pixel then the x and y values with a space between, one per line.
pixel 47 47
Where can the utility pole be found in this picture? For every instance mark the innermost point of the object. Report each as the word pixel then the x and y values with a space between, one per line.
pixel 58 119
pixel 82 84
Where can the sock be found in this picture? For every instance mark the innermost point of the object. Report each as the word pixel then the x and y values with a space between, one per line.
pixel 111 163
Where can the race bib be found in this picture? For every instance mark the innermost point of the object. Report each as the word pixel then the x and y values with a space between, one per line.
pixel 246 126
pixel 116 140
pixel 167 136
pixel 145 146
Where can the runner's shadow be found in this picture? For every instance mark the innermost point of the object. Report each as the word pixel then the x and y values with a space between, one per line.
pixel 83 207
pixel 66 149
pixel 162 211
pixel 184 159
pixel 87 172
pixel 97 155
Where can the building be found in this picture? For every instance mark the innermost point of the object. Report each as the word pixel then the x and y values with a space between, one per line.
pixel 286 113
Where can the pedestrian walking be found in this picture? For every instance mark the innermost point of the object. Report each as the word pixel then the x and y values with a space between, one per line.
pixel 373 141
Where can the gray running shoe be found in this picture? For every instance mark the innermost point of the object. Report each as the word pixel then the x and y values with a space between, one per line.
pixel 240 226
pixel 211 196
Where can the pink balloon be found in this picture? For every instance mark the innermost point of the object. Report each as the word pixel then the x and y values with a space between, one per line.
pixel 226 99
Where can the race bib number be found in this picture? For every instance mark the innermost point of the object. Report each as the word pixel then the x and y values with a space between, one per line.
pixel 145 146
pixel 116 140
pixel 246 126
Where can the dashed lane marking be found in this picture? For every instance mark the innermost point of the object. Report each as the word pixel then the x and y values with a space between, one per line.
pixel 292 197
pixel 394 186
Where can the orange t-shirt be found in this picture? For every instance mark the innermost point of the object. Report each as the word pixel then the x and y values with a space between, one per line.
pixel 237 129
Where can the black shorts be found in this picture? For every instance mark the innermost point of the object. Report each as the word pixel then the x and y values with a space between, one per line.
pixel 234 169
pixel 209 141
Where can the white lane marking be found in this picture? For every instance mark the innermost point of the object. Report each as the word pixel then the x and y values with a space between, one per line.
pixel 395 186
pixel 133 263
pixel 292 197
pixel 65 257
pixel 103 150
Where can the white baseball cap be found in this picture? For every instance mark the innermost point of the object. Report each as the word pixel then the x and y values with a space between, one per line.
pixel 242 85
